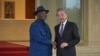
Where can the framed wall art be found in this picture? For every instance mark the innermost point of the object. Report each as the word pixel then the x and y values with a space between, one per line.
pixel 9 10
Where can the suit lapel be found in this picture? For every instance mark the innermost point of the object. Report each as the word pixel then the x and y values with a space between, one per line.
pixel 66 27
pixel 58 29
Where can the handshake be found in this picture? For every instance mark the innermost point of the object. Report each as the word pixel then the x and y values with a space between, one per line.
pixel 63 45
pixel 54 45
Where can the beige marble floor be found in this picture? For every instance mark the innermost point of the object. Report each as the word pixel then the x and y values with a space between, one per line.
pixel 81 50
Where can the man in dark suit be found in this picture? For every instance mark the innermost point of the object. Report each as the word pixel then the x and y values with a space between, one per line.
pixel 66 35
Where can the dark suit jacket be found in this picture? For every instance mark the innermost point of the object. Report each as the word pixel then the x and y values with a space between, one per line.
pixel 70 35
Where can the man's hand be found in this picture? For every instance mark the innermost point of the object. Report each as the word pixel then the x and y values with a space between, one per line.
pixel 54 45
pixel 64 44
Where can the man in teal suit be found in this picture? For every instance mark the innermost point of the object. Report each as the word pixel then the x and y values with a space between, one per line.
pixel 40 35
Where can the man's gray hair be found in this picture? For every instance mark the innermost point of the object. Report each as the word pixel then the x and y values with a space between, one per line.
pixel 61 9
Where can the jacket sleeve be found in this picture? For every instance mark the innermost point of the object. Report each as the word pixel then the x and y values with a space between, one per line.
pixel 55 40
pixel 75 35
pixel 35 35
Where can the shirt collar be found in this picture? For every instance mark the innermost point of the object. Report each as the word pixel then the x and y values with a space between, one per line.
pixel 41 22
pixel 64 22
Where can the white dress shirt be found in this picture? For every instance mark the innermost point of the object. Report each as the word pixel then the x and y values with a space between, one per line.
pixel 64 23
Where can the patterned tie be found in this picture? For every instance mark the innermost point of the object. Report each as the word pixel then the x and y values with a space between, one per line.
pixel 61 30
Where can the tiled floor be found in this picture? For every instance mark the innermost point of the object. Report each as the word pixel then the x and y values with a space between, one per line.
pixel 81 50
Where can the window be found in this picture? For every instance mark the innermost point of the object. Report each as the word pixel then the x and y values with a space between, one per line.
pixel 74 10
